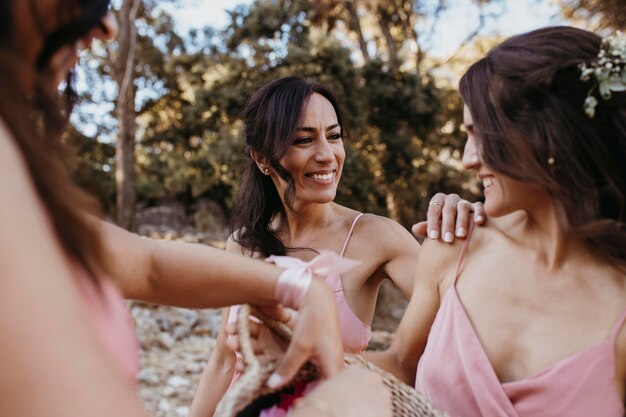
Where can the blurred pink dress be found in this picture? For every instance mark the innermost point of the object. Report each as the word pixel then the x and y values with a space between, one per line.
pixel 355 334
pixel 455 374
pixel 111 320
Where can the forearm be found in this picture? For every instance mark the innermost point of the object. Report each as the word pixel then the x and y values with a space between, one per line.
pixel 194 275
pixel 216 377
pixel 212 386
pixel 184 274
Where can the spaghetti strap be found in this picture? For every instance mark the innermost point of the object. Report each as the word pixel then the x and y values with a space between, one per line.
pixel 618 325
pixel 463 251
pixel 345 243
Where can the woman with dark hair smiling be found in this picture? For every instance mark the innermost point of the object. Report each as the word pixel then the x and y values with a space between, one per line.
pixel 294 133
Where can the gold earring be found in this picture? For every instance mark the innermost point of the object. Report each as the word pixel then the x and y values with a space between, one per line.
pixel 267 171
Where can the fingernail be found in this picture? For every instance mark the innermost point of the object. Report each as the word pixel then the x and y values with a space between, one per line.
pixel 448 237
pixel 433 234
pixel 274 381
pixel 460 232
pixel 478 218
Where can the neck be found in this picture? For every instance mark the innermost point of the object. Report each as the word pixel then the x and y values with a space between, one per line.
pixel 544 232
pixel 305 220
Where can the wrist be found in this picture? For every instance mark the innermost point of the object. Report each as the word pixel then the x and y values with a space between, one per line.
pixel 292 286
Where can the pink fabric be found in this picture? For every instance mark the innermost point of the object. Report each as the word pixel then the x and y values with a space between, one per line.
pixel 355 334
pixel 455 374
pixel 294 282
pixel 112 322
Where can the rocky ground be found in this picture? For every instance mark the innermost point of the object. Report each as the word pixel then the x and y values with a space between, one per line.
pixel 176 343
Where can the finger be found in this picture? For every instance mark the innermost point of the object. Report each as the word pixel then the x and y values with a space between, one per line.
pixel 293 360
pixel 448 217
pixel 462 218
pixel 420 229
pixel 276 312
pixel 434 215
pixel 232 343
pixel 479 212
pixel 253 328
pixel 231 328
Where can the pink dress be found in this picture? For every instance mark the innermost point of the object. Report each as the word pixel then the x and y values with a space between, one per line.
pixel 454 372
pixel 111 320
pixel 355 334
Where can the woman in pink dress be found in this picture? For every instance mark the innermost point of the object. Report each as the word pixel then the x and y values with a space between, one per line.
pixel 294 142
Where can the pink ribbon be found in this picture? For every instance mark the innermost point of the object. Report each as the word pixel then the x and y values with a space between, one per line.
pixel 294 282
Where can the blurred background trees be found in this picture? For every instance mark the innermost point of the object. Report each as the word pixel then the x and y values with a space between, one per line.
pixel 177 128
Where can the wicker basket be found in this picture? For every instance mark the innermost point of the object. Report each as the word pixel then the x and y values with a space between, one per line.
pixel 250 394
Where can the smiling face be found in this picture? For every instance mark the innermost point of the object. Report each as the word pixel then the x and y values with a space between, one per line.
pixel 503 194
pixel 316 155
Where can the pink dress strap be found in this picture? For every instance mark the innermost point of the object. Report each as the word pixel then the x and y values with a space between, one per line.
pixel 345 243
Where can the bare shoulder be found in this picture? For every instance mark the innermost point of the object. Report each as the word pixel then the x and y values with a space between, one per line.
pixel 232 245
pixel 385 233
pixel 438 260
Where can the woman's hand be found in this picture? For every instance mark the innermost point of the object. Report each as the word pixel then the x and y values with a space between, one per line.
pixel 315 336
pixel 448 217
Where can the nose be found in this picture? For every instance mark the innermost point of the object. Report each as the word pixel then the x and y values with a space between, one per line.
pixel 324 152
pixel 470 158
pixel 108 28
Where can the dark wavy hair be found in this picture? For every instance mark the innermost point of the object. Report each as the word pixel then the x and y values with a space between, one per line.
pixel 271 117
pixel 36 120
pixel 526 100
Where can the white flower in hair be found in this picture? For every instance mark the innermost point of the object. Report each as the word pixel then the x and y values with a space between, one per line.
pixel 607 72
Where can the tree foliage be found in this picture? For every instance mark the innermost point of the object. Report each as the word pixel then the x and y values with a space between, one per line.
pixel 403 129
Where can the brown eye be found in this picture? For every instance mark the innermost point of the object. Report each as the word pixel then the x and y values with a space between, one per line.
pixel 302 140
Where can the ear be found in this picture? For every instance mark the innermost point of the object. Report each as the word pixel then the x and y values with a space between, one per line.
pixel 262 165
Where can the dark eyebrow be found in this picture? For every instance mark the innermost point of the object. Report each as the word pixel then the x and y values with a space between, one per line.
pixel 312 129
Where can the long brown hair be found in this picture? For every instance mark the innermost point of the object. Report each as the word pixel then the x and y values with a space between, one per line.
pixel 36 120
pixel 526 99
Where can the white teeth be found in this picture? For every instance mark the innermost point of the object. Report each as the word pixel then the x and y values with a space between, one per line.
pixel 488 182
pixel 322 177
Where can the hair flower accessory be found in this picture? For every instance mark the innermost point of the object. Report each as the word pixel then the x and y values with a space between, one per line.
pixel 607 72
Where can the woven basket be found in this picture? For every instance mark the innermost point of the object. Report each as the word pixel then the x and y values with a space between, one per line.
pixel 246 397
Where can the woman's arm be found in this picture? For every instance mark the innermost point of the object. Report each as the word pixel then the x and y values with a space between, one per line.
pixel 216 377
pixel 219 372
pixel 185 274
pixel 199 276
pixel 401 251
pixel 410 339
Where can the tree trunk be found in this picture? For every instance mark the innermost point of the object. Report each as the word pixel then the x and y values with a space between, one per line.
pixel 383 24
pixel 125 111
pixel 355 25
